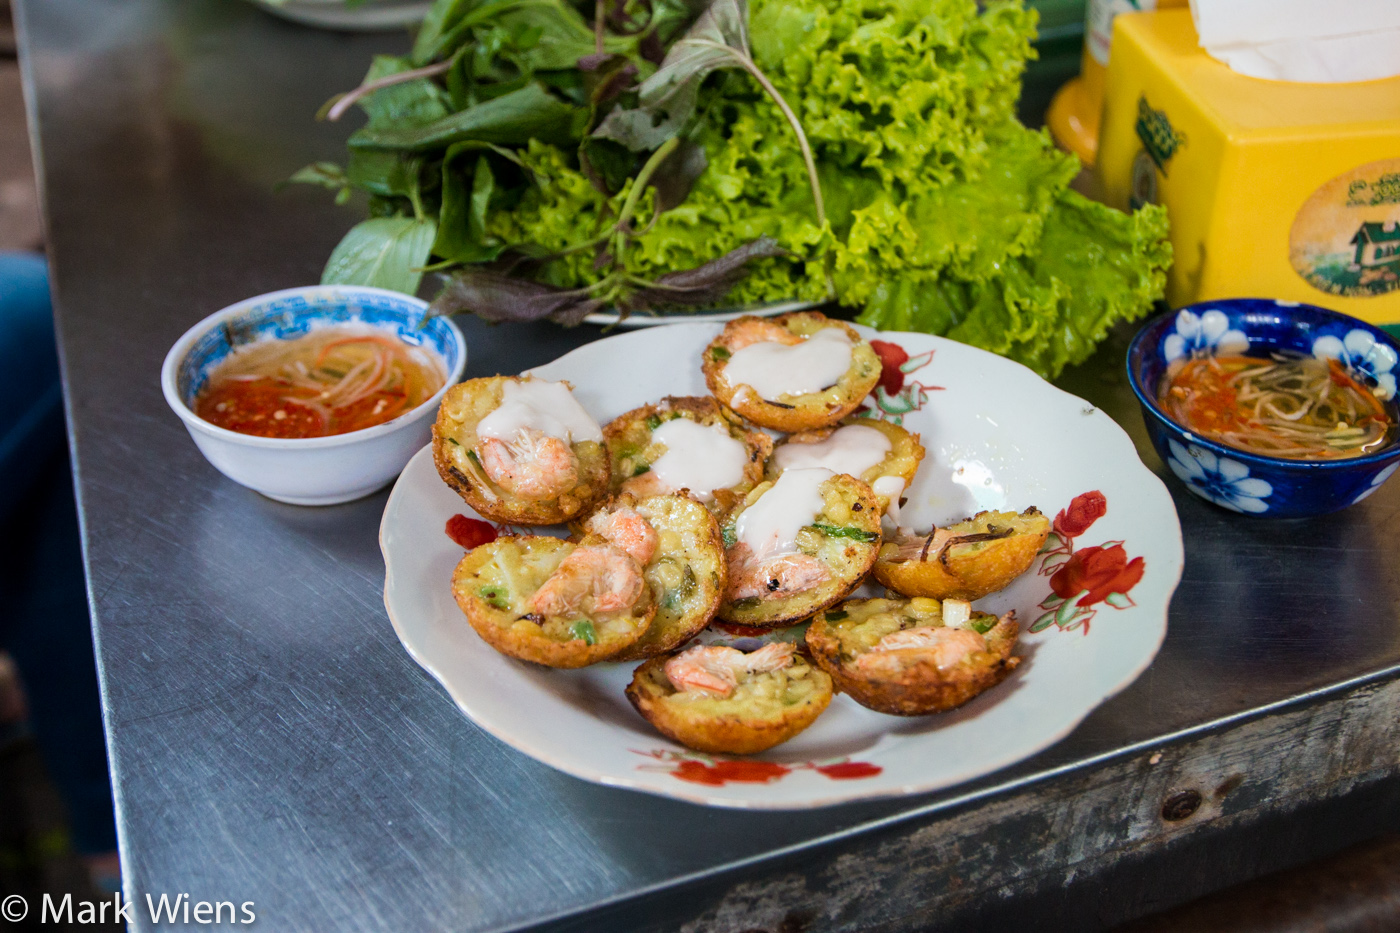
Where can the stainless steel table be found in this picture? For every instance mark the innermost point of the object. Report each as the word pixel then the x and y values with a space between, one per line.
pixel 271 742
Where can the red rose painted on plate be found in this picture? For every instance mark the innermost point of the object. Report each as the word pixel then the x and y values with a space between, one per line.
pixel 894 395
pixel 699 768
pixel 1086 509
pixel 1087 577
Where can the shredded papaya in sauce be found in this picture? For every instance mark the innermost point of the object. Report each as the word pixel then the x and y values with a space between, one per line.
pixel 331 381
pixel 1297 408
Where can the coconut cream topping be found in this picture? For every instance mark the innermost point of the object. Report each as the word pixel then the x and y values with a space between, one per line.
pixel 852 449
pixel 701 458
pixel 770 526
pixel 774 369
pixel 547 407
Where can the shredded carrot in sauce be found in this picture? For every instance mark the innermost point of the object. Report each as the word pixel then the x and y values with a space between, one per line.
pixel 1298 408
pixel 331 381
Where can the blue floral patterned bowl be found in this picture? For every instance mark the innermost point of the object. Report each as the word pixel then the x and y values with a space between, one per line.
pixel 1248 483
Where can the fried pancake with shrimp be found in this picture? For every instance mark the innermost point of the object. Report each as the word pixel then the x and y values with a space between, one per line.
pixel 912 656
pixel 793 372
pixel 882 455
pixel 689 443
pixel 968 560
pixel 677 542
pixel 554 602
pixel 723 701
pixel 520 450
pixel 798 545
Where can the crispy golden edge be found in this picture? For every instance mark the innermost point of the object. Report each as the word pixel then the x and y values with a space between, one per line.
pixel 725 735
pixel 702 410
pixel 665 634
pixel 969 572
pixel 494 625
pixel 919 688
pixel 452 439
pixel 804 412
pixel 858 557
pixel 906 452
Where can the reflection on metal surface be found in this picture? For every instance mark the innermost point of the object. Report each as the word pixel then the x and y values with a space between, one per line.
pixel 270 739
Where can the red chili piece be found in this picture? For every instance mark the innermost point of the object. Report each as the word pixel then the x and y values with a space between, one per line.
pixel 470 532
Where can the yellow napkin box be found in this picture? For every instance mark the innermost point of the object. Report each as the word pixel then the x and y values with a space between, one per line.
pixel 1274 189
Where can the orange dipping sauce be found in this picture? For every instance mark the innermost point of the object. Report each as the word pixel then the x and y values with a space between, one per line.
pixel 331 381
pixel 1295 408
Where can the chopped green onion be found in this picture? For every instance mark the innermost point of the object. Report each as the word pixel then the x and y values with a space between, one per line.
pixel 497 596
pixel 982 623
pixel 584 629
pixel 453 442
pixel 719 354
pixel 653 422
pixel 836 615
pixel 847 531
pixel 729 537
pixel 641 468
pixel 471 455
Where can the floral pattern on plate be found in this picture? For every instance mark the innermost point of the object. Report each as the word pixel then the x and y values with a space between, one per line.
pixel 1081 579
pixel 700 768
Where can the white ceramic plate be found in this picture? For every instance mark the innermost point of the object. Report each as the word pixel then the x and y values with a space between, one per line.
pixel 643 319
pixel 997 436
pixel 370 16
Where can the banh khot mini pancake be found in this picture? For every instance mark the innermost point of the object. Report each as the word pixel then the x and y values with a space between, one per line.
pixel 968 560
pixel 520 450
pixel 793 372
pixel 554 602
pixel 677 542
pixel 798 545
pixel 882 455
pixel 686 443
pixel 724 701
pixel 912 656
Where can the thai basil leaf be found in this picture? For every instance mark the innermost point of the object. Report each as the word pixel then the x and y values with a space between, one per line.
pixel 510 120
pixel 386 252
pixel 466 197
pixel 667 99
pixel 496 297
pixel 383 172
pixel 557 35
pixel 412 103
pixel 324 175
pixel 606 164
pixel 710 282
pixel 442 18
pixel 674 177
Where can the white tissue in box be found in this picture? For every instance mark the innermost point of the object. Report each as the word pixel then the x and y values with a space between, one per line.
pixel 1302 40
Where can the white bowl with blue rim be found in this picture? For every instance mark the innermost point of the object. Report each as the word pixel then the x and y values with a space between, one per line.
pixel 1249 483
pixel 311 470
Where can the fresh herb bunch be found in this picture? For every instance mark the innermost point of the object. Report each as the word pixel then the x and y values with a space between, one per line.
pixel 554 159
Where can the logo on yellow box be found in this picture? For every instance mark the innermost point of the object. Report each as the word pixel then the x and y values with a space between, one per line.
pixel 1345 238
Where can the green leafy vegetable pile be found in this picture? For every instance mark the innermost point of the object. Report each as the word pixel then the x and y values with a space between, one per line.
pixel 552 159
